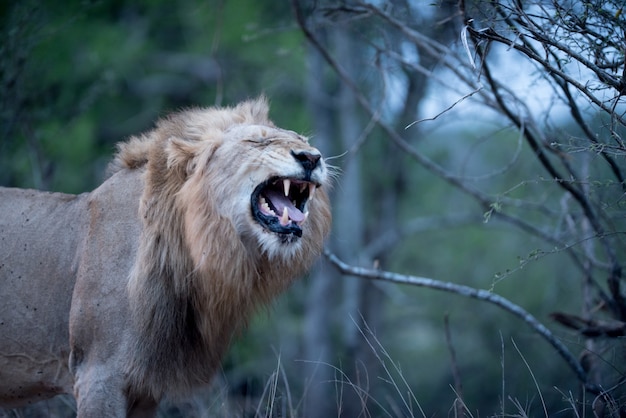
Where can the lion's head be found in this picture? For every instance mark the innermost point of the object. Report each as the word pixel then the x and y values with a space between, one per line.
pixel 271 179
pixel 269 183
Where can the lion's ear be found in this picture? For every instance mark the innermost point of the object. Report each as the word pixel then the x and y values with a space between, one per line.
pixel 186 155
pixel 182 154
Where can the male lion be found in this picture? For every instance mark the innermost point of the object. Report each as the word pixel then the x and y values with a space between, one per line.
pixel 134 291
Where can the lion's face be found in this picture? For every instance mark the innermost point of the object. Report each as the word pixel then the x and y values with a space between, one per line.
pixel 269 186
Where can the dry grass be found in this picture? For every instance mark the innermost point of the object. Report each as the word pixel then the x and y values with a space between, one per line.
pixel 278 399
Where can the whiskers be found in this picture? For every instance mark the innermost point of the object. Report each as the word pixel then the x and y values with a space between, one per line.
pixel 334 157
pixel 334 171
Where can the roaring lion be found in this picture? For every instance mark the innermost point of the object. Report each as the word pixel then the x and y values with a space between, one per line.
pixel 134 291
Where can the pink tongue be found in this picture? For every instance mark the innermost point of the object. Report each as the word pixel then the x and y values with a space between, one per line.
pixel 280 202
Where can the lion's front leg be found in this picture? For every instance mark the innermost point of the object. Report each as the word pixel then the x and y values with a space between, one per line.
pixel 99 393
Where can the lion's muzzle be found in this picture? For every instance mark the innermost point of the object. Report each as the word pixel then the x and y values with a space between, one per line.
pixel 308 160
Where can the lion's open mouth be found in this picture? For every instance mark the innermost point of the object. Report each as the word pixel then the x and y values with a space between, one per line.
pixel 280 204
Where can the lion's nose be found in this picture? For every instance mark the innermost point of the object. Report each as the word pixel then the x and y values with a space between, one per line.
pixel 309 160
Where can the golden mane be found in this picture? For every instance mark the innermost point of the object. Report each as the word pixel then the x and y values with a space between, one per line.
pixel 179 249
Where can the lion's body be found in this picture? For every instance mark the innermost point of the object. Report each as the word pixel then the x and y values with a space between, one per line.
pixel 52 245
pixel 34 312
pixel 135 290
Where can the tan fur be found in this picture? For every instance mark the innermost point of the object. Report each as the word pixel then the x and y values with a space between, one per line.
pixel 149 277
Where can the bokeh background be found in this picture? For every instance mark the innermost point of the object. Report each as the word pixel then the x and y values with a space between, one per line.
pixel 478 143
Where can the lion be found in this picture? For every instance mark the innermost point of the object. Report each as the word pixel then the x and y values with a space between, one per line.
pixel 134 291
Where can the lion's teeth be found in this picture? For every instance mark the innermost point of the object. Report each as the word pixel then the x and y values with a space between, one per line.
pixel 306 216
pixel 265 207
pixel 284 220
pixel 302 187
pixel 286 186
pixel 311 190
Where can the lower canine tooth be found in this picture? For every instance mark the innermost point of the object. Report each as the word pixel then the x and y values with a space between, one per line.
pixel 284 220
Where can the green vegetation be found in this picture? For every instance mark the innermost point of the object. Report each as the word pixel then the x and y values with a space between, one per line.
pixel 76 77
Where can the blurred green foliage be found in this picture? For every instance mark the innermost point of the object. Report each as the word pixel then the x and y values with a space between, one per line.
pixel 77 76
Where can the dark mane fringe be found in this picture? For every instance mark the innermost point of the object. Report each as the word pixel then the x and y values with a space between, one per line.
pixel 173 346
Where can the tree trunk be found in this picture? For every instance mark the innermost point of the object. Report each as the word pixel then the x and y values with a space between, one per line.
pixel 318 346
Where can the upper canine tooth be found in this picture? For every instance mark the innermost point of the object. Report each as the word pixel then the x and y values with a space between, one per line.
pixel 311 190
pixel 286 186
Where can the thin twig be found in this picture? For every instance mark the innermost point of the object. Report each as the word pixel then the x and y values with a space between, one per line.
pixel 532 375
pixel 456 375
pixel 615 276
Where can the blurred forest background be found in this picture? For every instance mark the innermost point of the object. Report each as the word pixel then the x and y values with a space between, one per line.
pixel 481 152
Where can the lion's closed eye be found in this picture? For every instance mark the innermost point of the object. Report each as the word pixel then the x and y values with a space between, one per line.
pixel 257 141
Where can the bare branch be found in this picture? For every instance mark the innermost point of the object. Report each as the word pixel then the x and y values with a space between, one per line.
pixel 485 200
pixel 471 292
